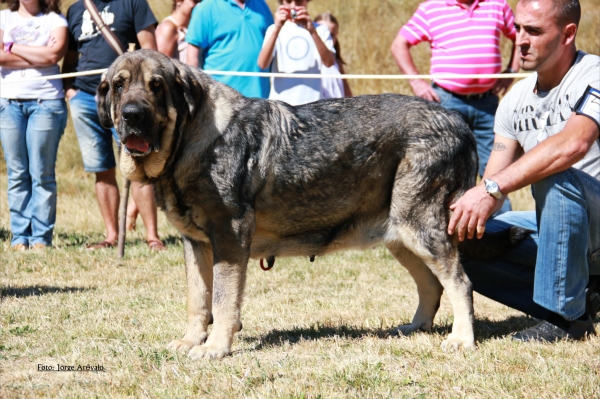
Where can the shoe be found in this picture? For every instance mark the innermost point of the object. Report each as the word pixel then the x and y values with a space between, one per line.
pixel 547 332
pixel 592 297
pixel 39 246
pixel 156 245
pixel 19 247
pixel 101 245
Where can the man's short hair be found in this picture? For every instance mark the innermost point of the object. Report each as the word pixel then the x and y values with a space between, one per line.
pixel 567 11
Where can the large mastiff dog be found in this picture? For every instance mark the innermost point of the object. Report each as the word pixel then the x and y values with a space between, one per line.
pixel 245 178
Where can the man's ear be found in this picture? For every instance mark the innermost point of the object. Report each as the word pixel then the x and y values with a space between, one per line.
pixel 104 104
pixel 570 31
pixel 190 87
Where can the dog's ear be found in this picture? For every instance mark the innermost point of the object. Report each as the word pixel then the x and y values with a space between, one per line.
pixel 104 104
pixel 190 87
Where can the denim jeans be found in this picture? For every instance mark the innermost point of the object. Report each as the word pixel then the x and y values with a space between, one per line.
pixel 479 114
pixel 95 141
pixel 30 131
pixel 546 274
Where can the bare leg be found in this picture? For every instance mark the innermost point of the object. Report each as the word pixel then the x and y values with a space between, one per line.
pixel 199 274
pixel 132 214
pixel 143 196
pixel 107 193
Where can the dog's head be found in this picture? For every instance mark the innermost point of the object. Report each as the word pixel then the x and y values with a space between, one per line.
pixel 148 97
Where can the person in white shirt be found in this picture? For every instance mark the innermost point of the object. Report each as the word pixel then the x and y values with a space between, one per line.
pixel 33 115
pixel 295 44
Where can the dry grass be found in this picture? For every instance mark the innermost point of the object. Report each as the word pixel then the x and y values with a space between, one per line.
pixel 310 330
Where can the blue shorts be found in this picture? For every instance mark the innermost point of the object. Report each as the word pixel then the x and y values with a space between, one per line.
pixel 95 141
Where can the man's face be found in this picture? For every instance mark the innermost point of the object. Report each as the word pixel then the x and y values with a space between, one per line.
pixel 538 35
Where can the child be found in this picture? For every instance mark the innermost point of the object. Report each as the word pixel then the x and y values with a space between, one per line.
pixel 294 44
pixel 333 88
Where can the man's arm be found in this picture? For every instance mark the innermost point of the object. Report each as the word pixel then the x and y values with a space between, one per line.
pixel 166 38
pixel 401 51
pixel 504 152
pixel 69 65
pixel 553 155
pixel 147 38
pixel 192 55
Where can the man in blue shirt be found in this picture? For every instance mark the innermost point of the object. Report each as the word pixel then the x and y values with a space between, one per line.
pixel 228 36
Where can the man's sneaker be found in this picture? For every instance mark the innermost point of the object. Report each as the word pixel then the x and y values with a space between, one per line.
pixel 547 332
pixel 592 297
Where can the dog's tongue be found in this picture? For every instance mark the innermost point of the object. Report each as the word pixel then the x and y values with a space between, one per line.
pixel 136 143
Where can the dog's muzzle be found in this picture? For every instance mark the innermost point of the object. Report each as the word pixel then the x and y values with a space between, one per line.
pixel 132 117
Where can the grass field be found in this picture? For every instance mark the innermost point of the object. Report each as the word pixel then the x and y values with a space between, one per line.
pixel 311 330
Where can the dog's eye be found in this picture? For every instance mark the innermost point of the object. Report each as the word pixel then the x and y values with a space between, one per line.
pixel 118 85
pixel 156 83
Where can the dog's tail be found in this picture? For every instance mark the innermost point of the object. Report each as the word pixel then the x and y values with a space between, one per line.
pixel 493 245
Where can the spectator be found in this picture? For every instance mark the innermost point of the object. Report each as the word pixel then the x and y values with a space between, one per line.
pixel 132 21
pixel 465 39
pixel 170 33
pixel 226 35
pixel 294 44
pixel 333 88
pixel 33 115
pixel 547 134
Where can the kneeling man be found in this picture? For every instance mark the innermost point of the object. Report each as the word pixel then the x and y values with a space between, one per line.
pixel 546 135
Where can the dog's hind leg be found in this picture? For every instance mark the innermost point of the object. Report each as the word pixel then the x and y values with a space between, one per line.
pixel 199 275
pixel 440 255
pixel 428 288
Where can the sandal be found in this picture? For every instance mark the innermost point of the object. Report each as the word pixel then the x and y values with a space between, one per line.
pixel 101 245
pixel 156 245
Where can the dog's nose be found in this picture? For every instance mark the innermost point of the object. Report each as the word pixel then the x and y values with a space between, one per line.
pixel 132 113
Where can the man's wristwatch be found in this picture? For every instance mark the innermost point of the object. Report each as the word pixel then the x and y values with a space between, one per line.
pixel 492 188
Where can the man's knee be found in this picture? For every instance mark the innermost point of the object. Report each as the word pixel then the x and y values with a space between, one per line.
pixel 107 177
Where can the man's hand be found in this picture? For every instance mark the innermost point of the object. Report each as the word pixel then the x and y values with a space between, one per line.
pixel 471 212
pixel 424 90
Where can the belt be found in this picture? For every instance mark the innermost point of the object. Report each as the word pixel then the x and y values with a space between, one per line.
pixel 474 96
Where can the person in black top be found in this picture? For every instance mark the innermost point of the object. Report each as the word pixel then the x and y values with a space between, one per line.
pixel 132 21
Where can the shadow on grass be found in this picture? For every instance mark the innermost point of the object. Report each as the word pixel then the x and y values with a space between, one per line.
pixel 313 333
pixel 38 290
pixel 5 234
pixel 484 330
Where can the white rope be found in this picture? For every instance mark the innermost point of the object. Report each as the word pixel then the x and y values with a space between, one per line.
pixel 300 76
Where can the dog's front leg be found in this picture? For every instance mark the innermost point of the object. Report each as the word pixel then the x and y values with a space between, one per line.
pixel 231 246
pixel 199 273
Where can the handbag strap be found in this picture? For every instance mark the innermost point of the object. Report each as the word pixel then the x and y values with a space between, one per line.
pixel 112 40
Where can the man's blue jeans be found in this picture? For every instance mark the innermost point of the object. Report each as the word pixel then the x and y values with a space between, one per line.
pixel 30 131
pixel 548 272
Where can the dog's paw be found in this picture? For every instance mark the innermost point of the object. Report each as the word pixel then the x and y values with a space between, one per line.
pixel 453 344
pixel 209 352
pixel 182 345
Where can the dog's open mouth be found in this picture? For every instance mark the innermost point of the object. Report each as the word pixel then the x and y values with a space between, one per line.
pixel 137 146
